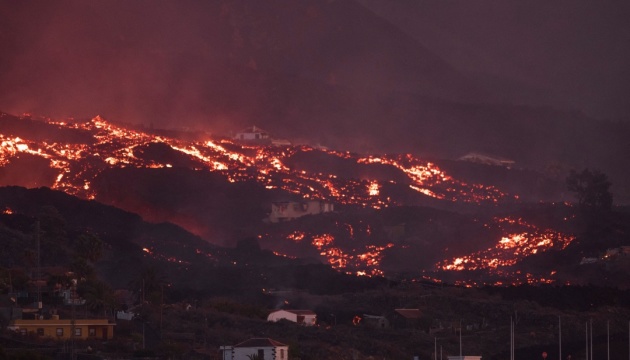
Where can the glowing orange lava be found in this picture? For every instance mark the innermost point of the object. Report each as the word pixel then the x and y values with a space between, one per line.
pixel 510 249
pixel 113 146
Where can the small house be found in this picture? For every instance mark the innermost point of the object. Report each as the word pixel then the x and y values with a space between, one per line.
pixel 407 318
pixel 252 134
pixel 264 348
pixel 375 321
pixel 290 210
pixel 301 317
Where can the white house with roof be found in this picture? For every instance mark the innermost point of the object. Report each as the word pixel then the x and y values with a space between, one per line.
pixel 264 348
pixel 252 133
pixel 464 357
pixel 302 317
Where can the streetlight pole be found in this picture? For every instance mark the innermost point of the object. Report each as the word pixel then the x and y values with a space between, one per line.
pixel 460 340
pixel 435 349
pixel 586 332
pixel 591 339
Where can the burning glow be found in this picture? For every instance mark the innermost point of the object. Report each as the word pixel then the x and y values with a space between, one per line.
pixel 426 178
pixel 296 236
pixel 342 251
pixel 107 146
pixel 373 188
pixel 510 249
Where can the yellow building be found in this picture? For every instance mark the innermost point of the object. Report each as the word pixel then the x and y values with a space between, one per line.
pixel 62 329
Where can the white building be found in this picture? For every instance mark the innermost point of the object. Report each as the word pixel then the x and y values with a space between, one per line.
pixel 302 317
pixel 290 210
pixel 252 134
pixel 265 348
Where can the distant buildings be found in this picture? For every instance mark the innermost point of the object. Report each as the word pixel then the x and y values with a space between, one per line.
pixel 29 317
pixel 301 317
pixel 290 210
pixel 257 135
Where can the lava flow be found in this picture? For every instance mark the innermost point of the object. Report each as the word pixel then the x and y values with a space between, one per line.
pixel 521 240
pixel 403 179
pixel 113 146
pixel 352 255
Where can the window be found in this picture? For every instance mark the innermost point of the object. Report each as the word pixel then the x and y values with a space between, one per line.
pixel 77 332
pixel 281 354
pixel 40 331
pixel 59 331
pixel 91 331
pixel 261 354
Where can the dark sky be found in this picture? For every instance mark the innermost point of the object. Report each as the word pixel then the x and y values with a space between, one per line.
pixel 566 53
pixel 231 63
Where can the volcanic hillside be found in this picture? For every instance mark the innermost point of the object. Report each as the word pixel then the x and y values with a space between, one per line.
pixel 396 215
pixel 337 73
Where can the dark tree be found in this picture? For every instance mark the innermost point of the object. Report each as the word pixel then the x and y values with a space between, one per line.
pixel 89 246
pixel 591 189
pixel 98 295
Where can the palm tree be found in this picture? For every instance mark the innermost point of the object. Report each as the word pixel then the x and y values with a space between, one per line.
pixel 99 297
pixel 254 357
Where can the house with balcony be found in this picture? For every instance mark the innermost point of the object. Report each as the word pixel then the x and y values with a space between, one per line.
pixel 264 348
pixel 63 329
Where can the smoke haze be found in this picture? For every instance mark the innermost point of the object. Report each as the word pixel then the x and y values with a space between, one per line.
pixel 528 81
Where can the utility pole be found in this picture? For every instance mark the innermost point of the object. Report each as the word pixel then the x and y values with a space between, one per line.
pixel 143 314
pixel 38 275
pixel 435 349
pixel 586 332
pixel 460 339
pixel 559 337
pixel 512 339
pixel 73 318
